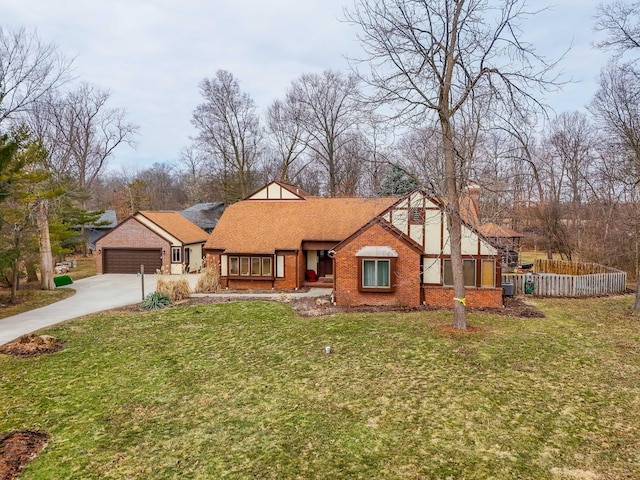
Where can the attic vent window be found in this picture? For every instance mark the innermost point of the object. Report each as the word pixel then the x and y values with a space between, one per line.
pixel 416 216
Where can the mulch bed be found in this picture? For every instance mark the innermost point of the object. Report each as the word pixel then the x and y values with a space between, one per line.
pixel 31 346
pixel 17 449
pixel 315 307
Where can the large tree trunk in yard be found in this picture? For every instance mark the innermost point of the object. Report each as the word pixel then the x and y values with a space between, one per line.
pixel 15 278
pixel 46 258
pixel 454 225
pixel 636 306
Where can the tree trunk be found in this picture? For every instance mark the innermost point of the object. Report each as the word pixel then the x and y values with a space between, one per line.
pixel 46 259
pixel 32 273
pixel 15 278
pixel 636 305
pixel 454 225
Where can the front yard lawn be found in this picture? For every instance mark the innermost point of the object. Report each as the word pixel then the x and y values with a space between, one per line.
pixel 245 390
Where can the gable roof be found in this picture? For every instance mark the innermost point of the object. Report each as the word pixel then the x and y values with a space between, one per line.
pixel 386 226
pixel 491 230
pixel 176 225
pixel 255 226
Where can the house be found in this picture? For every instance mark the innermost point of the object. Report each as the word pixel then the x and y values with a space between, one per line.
pixel 204 215
pixel 101 227
pixel 161 241
pixel 372 251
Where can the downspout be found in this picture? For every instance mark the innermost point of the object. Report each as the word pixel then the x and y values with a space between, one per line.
pixel 297 270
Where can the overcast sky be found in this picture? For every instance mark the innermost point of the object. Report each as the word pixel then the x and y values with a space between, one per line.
pixel 151 54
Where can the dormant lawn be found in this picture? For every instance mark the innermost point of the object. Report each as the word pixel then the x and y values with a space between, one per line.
pixel 245 390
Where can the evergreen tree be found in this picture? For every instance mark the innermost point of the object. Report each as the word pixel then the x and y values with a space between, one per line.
pixel 397 182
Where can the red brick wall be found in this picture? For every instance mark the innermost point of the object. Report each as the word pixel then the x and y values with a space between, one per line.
pixel 476 297
pixel 132 234
pixel 290 281
pixel 407 271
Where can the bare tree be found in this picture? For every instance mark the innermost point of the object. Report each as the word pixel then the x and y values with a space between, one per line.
pixel 437 59
pixel 29 69
pixel 288 138
pixel 620 21
pixel 229 132
pixel 329 113
pixel 81 133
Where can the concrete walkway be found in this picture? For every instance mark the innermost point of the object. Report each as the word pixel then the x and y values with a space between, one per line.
pixel 104 292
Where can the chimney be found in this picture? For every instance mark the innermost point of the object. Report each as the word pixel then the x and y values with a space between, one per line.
pixel 473 190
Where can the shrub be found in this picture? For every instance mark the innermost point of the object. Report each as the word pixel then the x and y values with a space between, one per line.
pixel 176 290
pixel 155 300
pixel 209 281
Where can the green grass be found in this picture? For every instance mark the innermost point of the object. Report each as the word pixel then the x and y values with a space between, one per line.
pixel 31 299
pixel 244 390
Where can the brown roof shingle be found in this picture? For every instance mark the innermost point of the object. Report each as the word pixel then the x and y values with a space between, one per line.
pixel 178 226
pixel 266 226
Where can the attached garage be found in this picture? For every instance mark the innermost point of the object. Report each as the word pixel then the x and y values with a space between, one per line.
pixel 121 260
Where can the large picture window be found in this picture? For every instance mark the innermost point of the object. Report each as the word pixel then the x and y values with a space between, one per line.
pixel 250 267
pixel 468 271
pixel 376 273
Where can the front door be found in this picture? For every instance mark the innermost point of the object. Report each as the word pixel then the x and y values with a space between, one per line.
pixel 325 263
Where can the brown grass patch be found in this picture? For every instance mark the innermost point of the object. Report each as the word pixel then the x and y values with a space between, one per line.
pixel 17 449
pixel 31 346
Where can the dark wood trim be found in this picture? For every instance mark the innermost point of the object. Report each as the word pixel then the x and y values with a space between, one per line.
pixel 393 276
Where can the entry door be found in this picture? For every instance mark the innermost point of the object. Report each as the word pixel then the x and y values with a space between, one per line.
pixel 325 263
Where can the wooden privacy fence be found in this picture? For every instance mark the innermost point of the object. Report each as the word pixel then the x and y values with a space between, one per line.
pixel 555 285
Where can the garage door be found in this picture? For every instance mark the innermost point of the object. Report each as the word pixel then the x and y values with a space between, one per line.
pixel 129 260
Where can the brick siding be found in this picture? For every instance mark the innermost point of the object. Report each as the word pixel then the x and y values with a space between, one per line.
pixel 131 234
pixel 476 297
pixel 347 279
pixel 292 276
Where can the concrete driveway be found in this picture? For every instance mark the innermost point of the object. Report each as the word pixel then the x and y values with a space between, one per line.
pixel 103 292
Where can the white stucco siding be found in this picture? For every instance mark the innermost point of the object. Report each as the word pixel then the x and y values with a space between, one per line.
pixel 274 191
pixel 195 257
pixel 469 242
pixel 416 232
pixel 486 249
pixel 259 195
pixel 400 220
pixel 433 227
pixel 312 260
pixel 431 270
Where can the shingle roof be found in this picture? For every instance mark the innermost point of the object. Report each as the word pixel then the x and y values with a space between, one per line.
pixel 178 226
pixel 254 226
pixel 204 215
pixel 491 230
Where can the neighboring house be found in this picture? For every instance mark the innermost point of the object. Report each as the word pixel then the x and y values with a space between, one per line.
pixel 102 226
pixel 373 251
pixel 161 241
pixel 204 215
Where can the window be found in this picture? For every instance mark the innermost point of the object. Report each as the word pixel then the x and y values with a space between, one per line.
pixel 376 275
pixel 468 272
pixel 255 266
pixel 250 267
pixel 234 266
pixel 244 266
pixel 176 255
pixel 488 273
pixel 266 266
